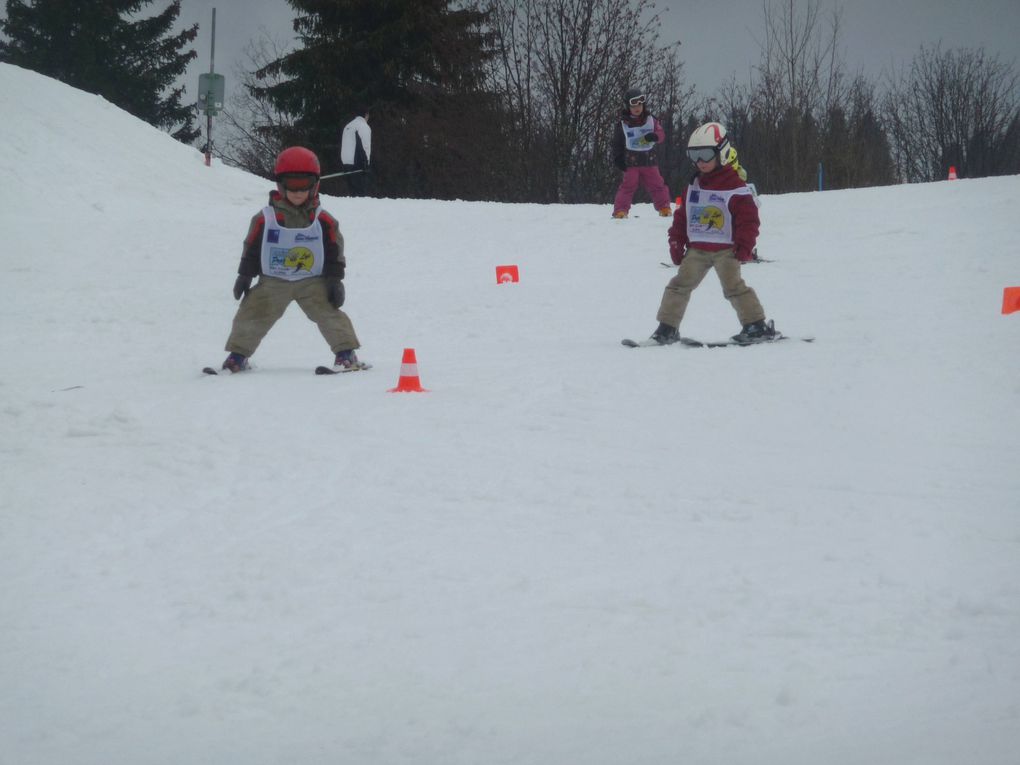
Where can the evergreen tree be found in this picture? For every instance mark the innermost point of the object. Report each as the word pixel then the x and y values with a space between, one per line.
pixel 415 63
pixel 94 46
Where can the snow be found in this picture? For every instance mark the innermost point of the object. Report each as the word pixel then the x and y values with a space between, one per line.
pixel 567 551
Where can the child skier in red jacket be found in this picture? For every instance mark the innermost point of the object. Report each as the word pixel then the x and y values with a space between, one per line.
pixel 716 226
pixel 297 251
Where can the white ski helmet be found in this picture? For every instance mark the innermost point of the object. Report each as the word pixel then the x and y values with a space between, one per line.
pixel 712 135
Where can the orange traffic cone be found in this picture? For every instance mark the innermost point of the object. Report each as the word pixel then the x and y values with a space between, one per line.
pixel 408 382
pixel 952 173
pixel 1010 300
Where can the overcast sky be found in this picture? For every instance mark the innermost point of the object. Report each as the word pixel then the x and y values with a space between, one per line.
pixel 717 38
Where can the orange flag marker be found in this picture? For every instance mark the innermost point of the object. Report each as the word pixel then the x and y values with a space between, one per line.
pixel 507 274
pixel 1010 300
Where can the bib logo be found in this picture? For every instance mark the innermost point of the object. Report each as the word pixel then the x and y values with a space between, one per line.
pixel 299 258
pixel 708 217
pixel 711 217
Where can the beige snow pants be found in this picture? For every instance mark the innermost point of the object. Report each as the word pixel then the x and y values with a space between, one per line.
pixel 268 299
pixel 693 268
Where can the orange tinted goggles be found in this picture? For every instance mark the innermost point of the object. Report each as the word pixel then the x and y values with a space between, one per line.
pixel 298 182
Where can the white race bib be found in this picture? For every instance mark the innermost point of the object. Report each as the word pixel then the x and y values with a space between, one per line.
pixel 291 253
pixel 709 219
pixel 634 136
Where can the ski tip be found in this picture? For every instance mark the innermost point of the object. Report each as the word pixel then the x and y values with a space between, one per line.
pixel 209 371
pixel 325 371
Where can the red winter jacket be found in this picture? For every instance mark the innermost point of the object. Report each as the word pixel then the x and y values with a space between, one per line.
pixel 742 208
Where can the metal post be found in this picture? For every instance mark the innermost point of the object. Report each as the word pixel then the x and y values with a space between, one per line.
pixel 820 176
pixel 208 114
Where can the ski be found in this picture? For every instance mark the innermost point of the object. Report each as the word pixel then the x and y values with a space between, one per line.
pixel 690 342
pixel 212 371
pixel 664 264
pixel 649 343
pixel 321 370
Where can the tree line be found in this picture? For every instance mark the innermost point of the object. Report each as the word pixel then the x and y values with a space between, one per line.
pixel 517 100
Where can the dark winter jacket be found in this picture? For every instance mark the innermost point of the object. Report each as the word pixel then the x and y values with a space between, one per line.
pixel 289 216
pixel 743 210
pixel 624 158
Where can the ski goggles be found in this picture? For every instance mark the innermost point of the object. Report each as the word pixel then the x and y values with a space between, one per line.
pixel 702 154
pixel 302 182
pixel 636 100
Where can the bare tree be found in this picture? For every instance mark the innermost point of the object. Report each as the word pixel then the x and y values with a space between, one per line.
pixel 954 107
pixel 675 103
pixel 800 77
pixel 560 71
pixel 254 129
pixel 801 111
pixel 855 148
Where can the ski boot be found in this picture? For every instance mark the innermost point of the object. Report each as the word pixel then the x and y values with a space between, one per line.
pixel 347 361
pixel 756 332
pixel 665 334
pixel 235 362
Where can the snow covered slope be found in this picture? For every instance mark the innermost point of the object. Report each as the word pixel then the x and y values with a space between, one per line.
pixel 567 551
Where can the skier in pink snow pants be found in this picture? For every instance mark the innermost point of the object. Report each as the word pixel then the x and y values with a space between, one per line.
pixel 634 141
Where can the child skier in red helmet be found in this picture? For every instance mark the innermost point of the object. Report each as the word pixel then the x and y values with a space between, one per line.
pixel 297 251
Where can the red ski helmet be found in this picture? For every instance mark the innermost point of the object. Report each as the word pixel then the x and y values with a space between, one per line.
pixel 297 160
pixel 297 168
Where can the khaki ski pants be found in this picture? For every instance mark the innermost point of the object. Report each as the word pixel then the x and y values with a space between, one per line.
pixel 265 303
pixel 693 268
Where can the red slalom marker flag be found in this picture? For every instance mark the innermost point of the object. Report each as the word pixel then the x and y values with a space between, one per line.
pixel 507 274
pixel 1010 300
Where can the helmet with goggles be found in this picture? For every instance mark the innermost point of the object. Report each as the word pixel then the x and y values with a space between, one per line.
pixel 297 169
pixel 634 97
pixel 709 141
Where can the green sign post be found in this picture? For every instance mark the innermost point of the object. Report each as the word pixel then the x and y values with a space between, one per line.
pixel 211 90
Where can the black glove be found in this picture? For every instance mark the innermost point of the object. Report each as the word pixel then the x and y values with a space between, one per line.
pixel 620 163
pixel 651 138
pixel 241 287
pixel 335 291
